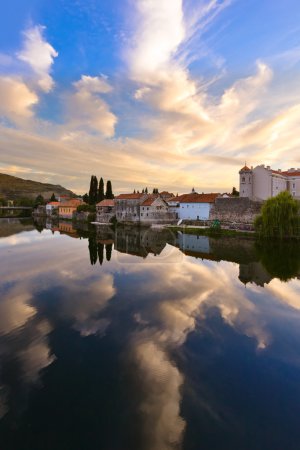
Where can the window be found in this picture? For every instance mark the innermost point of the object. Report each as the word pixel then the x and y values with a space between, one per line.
pixel 243 179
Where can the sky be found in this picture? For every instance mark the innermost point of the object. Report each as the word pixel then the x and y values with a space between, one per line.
pixel 173 94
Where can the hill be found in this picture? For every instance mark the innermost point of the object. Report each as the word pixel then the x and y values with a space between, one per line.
pixel 13 188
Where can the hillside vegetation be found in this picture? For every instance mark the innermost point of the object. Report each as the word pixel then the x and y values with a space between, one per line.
pixel 13 188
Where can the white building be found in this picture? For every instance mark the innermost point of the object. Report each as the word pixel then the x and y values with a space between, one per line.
pixel 262 182
pixel 195 206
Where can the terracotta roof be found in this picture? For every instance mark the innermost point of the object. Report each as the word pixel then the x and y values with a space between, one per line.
pixel 197 198
pixel 106 202
pixel 296 173
pixel 71 203
pixel 164 193
pixel 131 196
pixel 245 168
pixel 151 198
pixel 286 173
pixel 53 203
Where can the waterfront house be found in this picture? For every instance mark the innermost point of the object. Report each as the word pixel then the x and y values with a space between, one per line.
pixel 105 210
pixel 260 182
pixel 67 209
pixel 155 209
pixel 52 208
pixel 195 206
pixel 128 207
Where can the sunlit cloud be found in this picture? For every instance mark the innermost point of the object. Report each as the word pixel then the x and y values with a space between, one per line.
pixel 39 55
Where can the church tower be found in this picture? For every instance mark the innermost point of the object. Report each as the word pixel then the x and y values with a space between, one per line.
pixel 246 182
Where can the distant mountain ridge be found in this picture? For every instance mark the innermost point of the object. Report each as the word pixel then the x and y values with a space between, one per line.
pixel 13 188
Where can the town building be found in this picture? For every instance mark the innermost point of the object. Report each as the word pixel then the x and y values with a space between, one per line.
pixel 155 209
pixel 52 208
pixel 262 182
pixel 195 206
pixel 128 207
pixel 67 209
pixel 105 210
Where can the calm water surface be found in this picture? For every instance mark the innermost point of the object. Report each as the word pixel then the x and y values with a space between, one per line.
pixel 146 340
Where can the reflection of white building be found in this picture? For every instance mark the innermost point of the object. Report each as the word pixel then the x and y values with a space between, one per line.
pixel 193 244
pixel 262 182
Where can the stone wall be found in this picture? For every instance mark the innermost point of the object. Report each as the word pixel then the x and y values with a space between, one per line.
pixel 235 210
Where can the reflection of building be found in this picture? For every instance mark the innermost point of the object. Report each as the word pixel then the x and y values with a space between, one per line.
pixel 262 182
pixel 254 272
pixel 67 228
pixel 105 210
pixel 67 209
pixel 141 242
pixel 192 245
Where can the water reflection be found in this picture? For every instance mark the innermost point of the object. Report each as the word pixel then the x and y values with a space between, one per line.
pixel 147 351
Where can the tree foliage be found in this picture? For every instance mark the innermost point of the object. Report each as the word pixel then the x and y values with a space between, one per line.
pixel 234 192
pixel 101 195
pixel 279 217
pixel 93 192
pixel 109 193
pixel 53 198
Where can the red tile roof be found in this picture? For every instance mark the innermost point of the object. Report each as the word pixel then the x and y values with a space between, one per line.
pixel 71 203
pixel 106 202
pixel 53 203
pixel 197 198
pixel 132 196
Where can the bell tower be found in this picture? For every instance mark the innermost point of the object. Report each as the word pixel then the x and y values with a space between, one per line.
pixel 246 182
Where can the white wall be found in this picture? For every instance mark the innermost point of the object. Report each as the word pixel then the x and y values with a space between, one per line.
pixel 194 211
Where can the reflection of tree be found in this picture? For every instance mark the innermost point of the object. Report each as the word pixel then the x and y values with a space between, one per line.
pixel 100 253
pixel 280 259
pixel 108 249
pixel 93 250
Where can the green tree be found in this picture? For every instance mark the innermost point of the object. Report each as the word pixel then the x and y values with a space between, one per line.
pixel 101 195
pixel 93 192
pixel 53 198
pixel 39 200
pixel 279 217
pixel 146 190
pixel 109 192
pixel 85 198
pixel 234 192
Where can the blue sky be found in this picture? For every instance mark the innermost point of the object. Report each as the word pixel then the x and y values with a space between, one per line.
pixel 174 93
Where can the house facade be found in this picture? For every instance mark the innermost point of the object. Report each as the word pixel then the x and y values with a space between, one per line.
pixel 262 182
pixel 195 206
pixel 105 210
pixel 52 208
pixel 155 209
pixel 128 207
pixel 67 209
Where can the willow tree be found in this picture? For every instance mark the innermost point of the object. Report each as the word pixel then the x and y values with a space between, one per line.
pixel 279 217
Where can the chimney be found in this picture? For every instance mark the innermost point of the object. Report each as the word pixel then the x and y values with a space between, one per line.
pixel 268 167
pixel 279 170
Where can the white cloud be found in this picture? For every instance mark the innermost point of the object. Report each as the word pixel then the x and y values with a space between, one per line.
pixel 39 55
pixel 17 99
pixel 86 109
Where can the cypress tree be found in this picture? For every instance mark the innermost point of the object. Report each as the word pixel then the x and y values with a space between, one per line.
pixel 146 190
pixel 109 192
pixel 100 253
pixel 101 195
pixel 93 193
pixel 53 198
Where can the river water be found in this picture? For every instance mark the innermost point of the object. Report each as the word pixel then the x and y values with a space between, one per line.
pixel 142 339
